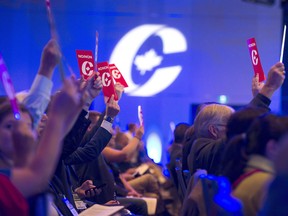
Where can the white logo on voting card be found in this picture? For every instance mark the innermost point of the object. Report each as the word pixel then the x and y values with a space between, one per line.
pixel 116 74
pixel 106 80
pixel 173 42
pixel 254 56
pixel 87 68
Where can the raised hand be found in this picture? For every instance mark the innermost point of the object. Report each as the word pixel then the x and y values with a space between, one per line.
pixel 139 132
pixel 119 89
pixel 24 141
pixel 112 108
pixel 51 56
pixel 256 85
pixel 67 103
pixel 41 124
pixel 63 112
pixel 94 86
pixel 275 79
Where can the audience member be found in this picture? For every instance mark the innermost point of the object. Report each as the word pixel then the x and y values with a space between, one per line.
pixel 189 139
pixel 31 178
pixel 175 150
pixel 38 96
pixel 99 172
pixel 28 161
pixel 131 129
pixel 73 153
pixel 259 147
pixel 237 126
pixel 207 149
pixel 87 153
pixel 275 203
pixel 210 128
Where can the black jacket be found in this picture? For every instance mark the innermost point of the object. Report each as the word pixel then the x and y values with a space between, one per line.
pixel 206 153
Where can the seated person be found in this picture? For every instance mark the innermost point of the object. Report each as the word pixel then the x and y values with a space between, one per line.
pixel 122 144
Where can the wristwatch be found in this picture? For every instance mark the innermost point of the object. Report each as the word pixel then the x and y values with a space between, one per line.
pixel 108 118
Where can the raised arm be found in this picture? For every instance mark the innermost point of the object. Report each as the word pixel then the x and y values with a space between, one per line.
pixel 275 79
pixel 276 76
pixel 119 89
pixel 64 110
pixel 94 87
pixel 256 85
pixel 100 139
pixel 39 94
pixel 114 155
pixel 73 139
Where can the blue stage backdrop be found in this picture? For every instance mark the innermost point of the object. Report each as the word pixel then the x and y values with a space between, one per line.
pixel 172 53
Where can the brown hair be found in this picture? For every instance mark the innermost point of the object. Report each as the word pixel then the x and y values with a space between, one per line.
pixel 5 109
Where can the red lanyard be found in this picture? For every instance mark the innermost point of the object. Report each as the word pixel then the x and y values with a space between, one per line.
pixel 243 176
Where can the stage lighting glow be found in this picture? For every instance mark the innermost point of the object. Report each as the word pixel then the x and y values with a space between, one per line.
pixel 223 99
pixel 154 147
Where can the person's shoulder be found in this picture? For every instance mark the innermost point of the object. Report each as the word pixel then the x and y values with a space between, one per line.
pixel 201 143
pixel 262 177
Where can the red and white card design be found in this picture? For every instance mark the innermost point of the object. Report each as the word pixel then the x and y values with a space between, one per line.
pixel 107 80
pixel 255 58
pixel 140 116
pixel 85 63
pixel 117 76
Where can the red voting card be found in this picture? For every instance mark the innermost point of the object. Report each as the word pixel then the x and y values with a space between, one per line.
pixel 255 58
pixel 107 80
pixel 85 63
pixel 117 76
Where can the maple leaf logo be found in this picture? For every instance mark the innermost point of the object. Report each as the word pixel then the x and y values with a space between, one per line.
pixel 147 61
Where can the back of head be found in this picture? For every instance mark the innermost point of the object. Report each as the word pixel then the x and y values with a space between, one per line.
pixel 22 95
pixel 202 105
pixel 211 114
pixel 265 128
pixel 3 99
pixel 240 121
pixel 234 159
pixel 121 140
pixel 179 132
pixel 238 149
pixel 189 134
pixel 131 127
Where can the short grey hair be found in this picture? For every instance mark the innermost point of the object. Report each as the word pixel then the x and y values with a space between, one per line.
pixel 209 115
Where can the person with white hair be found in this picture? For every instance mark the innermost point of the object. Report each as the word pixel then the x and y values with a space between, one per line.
pixel 210 129
pixel 210 124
